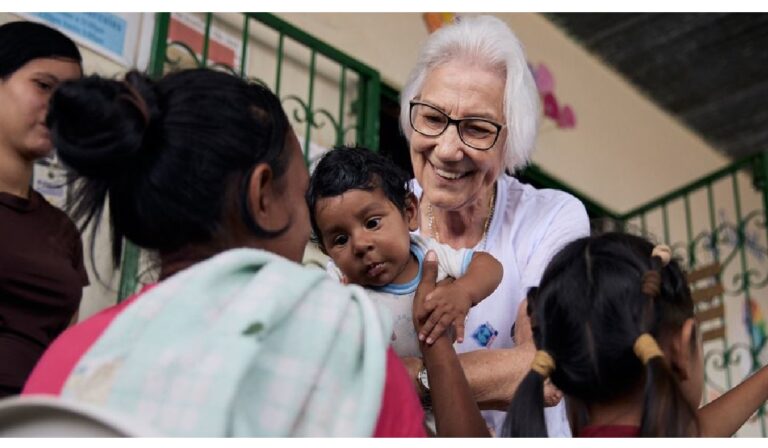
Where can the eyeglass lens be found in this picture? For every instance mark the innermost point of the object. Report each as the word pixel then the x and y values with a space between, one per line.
pixel 475 132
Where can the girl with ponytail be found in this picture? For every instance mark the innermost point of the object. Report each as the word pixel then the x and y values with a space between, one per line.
pixel 613 322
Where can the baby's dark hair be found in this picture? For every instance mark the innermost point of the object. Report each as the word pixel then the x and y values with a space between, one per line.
pixel 587 313
pixel 170 156
pixel 354 168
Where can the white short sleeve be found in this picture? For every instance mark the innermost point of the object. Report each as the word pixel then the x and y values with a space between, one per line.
pixel 453 262
pixel 567 224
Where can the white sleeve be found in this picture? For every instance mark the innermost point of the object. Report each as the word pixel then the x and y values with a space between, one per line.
pixel 453 262
pixel 333 271
pixel 568 224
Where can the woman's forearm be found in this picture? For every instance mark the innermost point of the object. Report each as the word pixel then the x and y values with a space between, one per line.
pixel 493 375
pixel 456 412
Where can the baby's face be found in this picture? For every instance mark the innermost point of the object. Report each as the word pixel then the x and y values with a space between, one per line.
pixel 367 236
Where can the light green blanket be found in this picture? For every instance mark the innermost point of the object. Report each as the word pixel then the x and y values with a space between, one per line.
pixel 246 343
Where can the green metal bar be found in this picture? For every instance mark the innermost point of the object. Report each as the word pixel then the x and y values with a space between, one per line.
pixel 129 269
pixel 536 174
pixel 372 106
pixel 665 221
pixel 342 95
pixel 246 40
pixel 159 44
pixel 206 38
pixel 360 110
pixel 129 265
pixel 318 45
pixel 695 185
pixel 689 231
pixel 279 69
pixel 713 221
pixel 308 133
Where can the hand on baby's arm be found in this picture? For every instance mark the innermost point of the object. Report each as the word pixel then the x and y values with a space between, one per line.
pixel 447 305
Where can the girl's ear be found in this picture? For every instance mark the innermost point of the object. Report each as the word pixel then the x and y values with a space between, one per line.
pixel 680 350
pixel 412 212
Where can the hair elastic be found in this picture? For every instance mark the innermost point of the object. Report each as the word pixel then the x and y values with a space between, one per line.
pixel 543 364
pixel 646 348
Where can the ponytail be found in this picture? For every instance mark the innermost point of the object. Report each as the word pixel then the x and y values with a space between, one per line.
pixel 525 416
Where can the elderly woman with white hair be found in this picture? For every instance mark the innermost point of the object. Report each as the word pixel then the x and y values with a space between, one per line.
pixel 470 112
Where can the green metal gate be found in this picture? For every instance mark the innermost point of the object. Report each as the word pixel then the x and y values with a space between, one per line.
pixel 721 218
pixel 337 102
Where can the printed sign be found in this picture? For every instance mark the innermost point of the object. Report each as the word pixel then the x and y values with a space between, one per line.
pixel 112 34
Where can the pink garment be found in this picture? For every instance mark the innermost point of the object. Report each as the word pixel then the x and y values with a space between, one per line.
pixel 401 414
pixel 610 431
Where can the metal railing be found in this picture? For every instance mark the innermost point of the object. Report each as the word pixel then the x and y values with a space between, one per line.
pixel 355 110
pixel 721 218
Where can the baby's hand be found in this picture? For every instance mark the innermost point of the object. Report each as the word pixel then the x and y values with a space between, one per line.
pixel 552 395
pixel 447 304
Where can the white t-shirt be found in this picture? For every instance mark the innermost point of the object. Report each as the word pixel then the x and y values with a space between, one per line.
pixel 398 298
pixel 529 226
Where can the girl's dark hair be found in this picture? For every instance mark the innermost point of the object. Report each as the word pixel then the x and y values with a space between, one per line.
pixel 171 155
pixel 355 168
pixel 587 313
pixel 21 42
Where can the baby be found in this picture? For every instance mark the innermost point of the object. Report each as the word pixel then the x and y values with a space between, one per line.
pixel 362 213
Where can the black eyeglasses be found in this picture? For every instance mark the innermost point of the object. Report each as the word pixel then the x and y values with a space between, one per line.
pixel 477 133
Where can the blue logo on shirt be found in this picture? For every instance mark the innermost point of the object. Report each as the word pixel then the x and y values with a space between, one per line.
pixel 485 335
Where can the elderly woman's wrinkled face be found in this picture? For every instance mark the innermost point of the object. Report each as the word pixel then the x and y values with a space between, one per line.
pixel 452 174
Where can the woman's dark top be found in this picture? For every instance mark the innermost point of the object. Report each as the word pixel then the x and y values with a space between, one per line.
pixel 41 282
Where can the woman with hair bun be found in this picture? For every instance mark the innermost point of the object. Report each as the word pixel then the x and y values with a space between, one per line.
pixel 237 338
pixel 41 257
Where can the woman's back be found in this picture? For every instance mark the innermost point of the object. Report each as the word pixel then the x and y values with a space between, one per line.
pixel 236 338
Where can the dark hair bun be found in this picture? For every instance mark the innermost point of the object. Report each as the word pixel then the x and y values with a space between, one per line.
pixel 100 126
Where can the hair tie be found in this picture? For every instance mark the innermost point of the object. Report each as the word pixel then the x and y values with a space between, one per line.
pixel 646 348
pixel 134 97
pixel 663 252
pixel 543 364
pixel 651 283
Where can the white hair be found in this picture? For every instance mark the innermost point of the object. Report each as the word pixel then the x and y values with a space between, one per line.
pixel 487 41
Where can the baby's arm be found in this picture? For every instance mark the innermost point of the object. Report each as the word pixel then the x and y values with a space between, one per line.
pixel 725 415
pixel 450 303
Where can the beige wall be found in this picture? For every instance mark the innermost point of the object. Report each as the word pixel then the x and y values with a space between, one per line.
pixel 623 151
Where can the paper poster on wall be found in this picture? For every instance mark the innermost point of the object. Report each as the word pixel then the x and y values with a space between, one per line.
pixel 49 179
pixel 223 47
pixel 112 34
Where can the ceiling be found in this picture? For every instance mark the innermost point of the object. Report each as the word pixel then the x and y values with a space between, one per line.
pixel 708 70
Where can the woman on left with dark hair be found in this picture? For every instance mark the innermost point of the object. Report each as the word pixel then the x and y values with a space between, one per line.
pixel 41 258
